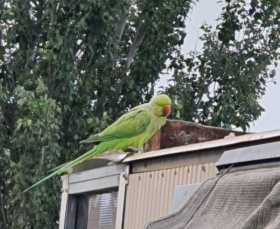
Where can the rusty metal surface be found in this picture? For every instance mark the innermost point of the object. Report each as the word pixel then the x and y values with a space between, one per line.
pixel 149 194
pixel 153 143
pixel 179 132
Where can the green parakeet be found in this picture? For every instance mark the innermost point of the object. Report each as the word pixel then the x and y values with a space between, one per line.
pixel 132 129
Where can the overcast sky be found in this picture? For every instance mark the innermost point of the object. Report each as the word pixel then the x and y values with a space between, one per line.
pixel 208 12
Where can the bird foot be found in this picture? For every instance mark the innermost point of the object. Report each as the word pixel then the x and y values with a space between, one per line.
pixel 135 150
pixel 120 157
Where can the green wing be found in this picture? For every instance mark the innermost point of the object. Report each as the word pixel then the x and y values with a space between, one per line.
pixel 130 124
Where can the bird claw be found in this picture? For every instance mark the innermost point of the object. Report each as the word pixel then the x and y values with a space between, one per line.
pixel 135 150
pixel 119 160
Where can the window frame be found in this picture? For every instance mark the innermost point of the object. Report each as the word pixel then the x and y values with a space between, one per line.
pixel 98 180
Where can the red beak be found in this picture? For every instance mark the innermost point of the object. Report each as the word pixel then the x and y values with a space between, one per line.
pixel 166 110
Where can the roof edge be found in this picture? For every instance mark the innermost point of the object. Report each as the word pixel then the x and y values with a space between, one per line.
pixel 204 145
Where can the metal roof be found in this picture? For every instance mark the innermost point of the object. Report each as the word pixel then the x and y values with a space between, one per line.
pixel 253 154
pixel 229 141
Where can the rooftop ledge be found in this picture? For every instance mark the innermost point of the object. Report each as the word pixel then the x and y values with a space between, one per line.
pixel 178 137
pixel 201 138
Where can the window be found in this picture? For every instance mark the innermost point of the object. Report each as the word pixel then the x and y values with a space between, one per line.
pixel 102 210
pixel 90 198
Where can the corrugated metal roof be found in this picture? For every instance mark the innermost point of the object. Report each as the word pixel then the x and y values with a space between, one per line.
pixel 206 145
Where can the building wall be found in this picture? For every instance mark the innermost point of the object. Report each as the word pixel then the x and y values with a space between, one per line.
pixel 151 186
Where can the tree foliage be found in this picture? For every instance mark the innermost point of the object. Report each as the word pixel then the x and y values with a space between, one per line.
pixel 222 84
pixel 67 69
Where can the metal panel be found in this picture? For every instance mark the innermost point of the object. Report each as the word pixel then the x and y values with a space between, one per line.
pixel 251 154
pixel 150 194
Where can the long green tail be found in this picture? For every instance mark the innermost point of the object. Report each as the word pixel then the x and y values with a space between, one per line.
pixel 67 166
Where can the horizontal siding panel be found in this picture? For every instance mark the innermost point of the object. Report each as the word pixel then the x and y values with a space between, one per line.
pixel 95 173
pixel 95 185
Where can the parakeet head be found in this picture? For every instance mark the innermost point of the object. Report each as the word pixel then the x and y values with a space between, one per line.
pixel 161 105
